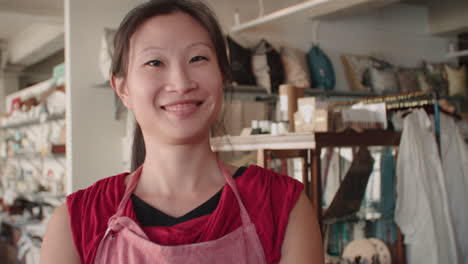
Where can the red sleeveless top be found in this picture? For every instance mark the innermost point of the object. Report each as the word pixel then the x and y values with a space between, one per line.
pixel 268 196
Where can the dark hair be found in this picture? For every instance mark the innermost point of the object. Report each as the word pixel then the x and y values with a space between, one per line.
pixel 140 14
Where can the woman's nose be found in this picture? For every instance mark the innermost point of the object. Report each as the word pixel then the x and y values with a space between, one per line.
pixel 180 81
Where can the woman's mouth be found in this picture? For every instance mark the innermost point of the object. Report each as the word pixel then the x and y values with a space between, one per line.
pixel 182 108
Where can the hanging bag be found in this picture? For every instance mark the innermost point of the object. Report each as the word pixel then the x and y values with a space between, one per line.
pixel 321 70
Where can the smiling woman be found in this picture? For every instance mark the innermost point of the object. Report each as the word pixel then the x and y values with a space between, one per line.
pixel 180 204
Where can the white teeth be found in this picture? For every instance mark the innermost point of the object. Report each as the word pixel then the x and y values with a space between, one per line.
pixel 180 107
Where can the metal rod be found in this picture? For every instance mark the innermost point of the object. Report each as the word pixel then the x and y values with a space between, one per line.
pixel 437 122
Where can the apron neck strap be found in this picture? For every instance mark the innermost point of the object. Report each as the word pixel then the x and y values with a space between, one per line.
pixel 227 175
pixel 135 177
pixel 130 187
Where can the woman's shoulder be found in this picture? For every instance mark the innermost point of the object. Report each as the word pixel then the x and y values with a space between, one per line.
pixel 269 198
pixel 89 210
pixel 110 187
pixel 258 177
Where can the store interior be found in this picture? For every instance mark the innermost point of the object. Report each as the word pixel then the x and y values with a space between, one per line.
pixel 363 101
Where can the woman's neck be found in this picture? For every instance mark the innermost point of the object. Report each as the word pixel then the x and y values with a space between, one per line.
pixel 172 169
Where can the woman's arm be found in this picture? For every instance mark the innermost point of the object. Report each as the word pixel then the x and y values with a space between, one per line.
pixel 302 242
pixel 58 246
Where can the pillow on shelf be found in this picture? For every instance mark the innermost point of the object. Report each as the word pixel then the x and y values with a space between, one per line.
pixel 383 81
pixel 376 64
pixel 240 59
pixel 408 80
pixel 267 67
pixel 355 67
pixel 436 77
pixel 456 80
pixel 106 52
pixel 295 67
pixel 423 82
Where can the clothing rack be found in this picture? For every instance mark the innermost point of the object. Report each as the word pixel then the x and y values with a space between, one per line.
pixel 405 101
pixel 427 100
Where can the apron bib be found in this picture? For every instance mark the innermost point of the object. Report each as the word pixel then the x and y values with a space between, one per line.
pixel 125 241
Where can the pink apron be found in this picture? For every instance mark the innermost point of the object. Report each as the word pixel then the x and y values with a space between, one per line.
pixel 125 241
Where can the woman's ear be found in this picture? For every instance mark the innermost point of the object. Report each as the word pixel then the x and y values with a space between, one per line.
pixel 120 87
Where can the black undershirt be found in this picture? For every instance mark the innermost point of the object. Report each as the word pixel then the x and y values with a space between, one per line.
pixel 150 216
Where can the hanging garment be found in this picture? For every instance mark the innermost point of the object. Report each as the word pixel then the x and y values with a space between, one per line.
pixel 348 198
pixel 385 227
pixel 331 176
pixel 387 184
pixel 422 211
pixel 455 166
pixel 126 242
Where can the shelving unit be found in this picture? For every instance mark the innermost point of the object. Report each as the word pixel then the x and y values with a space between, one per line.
pixel 53 117
pixel 255 142
pixel 253 89
pixel 56 151
pixel 456 54
pixel 291 145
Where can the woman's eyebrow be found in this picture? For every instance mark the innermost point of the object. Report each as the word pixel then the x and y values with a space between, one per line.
pixel 150 48
pixel 199 43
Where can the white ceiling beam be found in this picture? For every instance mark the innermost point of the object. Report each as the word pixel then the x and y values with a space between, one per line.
pixel 36 42
pixel 317 9
pixel 337 8
pixel 31 16
pixel 448 17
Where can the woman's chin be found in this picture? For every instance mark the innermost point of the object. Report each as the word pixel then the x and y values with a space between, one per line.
pixel 187 136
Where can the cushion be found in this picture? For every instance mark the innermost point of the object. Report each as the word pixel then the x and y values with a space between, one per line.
pixel 383 81
pixel 240 59
pixel 355 66
pixel 267 67
pixel 407 80
pixel 295 67
pixel 436 77
pixel 106 52
pixel 456 80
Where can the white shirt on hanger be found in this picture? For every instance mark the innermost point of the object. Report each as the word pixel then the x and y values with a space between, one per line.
pixel 422 210
pixel 455 166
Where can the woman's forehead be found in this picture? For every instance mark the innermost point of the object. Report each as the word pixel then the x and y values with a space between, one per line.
pixel 174 31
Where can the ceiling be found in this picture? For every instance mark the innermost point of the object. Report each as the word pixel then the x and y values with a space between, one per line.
pixel 16 15
pixel 417 2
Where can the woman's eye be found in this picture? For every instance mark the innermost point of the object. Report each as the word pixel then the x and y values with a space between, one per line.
pixel 154 63
pixel 198 58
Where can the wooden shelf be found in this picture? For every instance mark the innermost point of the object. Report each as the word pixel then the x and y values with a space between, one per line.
pixel 55 151
pixel 253 89
pixel 52 117
pixel 255 142
pixel 366 138
pixel 456 54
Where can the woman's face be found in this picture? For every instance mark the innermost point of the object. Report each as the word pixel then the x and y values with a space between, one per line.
pixel 174 84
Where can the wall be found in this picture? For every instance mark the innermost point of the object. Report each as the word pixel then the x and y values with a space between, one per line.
pixel 398 32
pixel 41 70
pixel 448 17
pixel 35 43
pixel 93 136
pixel 8 84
